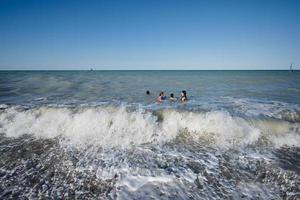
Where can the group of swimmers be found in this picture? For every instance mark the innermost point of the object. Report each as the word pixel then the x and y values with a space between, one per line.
pixel 161 98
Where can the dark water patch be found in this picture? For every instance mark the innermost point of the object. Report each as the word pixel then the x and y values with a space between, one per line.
pixel 159 115
pixel 287 181
pixel 288 158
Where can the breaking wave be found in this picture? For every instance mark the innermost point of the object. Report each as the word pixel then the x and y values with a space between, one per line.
pixel 119 126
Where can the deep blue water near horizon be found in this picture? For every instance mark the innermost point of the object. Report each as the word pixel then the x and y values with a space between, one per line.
pixel 97 135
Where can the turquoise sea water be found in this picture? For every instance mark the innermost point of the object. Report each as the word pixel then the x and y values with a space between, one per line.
pixel 97 135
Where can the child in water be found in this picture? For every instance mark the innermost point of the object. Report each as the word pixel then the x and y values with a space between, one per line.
pixel 183 97
pixel 172 98
pixel 161 97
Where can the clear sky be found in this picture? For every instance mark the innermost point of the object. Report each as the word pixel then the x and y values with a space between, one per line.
pixel 149 34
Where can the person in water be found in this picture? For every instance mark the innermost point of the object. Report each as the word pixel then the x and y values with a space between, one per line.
pixel 172 98
pixel 161 97
pixel 183 97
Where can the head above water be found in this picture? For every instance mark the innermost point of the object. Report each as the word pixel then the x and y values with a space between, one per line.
pixel 183 93
pixel 172 95
pixel 161 93
pixel 148 92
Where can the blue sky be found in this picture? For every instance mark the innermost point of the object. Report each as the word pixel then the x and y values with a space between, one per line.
pixel 149 34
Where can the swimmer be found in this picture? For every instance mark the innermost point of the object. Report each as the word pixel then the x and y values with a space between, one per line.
pixel 161 97
pixel 172 98
pixel 183 96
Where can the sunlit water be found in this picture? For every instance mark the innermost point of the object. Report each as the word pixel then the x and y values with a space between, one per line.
pixel 97 135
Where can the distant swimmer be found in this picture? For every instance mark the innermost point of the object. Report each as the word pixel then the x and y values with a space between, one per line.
pixel 172 98
pixel 148 92
pixel 183 97
pixel 161 97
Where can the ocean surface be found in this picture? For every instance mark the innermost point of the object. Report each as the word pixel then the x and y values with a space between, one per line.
pixel 97 135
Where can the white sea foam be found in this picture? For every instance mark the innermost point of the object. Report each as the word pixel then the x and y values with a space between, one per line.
pixel 133 183
pixel 3 106
pixel 275 109
pixel 115 126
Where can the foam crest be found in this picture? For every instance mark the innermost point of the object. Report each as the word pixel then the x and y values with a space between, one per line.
pixel 215 125
pixel 102 126
pixel 117 126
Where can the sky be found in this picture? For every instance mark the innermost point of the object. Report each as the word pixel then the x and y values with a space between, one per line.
pixel 149 34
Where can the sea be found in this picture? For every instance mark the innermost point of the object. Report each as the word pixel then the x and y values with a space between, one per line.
pixel 98 135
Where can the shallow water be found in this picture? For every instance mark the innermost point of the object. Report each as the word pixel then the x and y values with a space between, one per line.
pixel 96 135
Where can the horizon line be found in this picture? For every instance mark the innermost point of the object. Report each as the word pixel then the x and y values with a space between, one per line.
pixel 149 70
